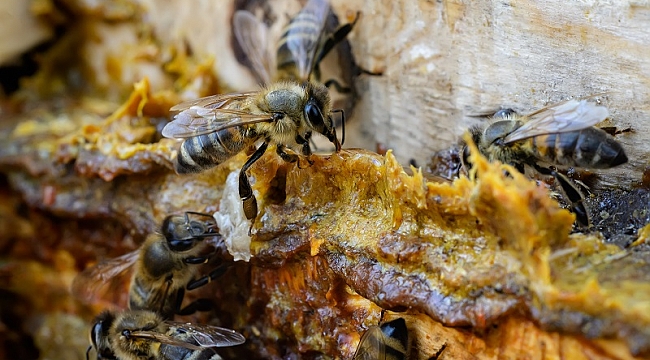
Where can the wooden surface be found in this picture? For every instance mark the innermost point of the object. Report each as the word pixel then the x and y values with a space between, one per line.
pixel 444 61
pixel 20 29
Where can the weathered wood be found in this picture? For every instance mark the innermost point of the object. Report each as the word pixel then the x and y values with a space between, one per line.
pixel 20 29
pixel 445 61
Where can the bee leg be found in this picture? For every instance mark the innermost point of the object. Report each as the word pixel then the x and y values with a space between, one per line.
pixel 218 271
pixel 306 148
pixel 196 305
pixel 307 142
pixel 339 88
pixel 245 190
pixel 575 197
pixel 572 194
pixel 196 260
pixel 286 154
pixel 335 38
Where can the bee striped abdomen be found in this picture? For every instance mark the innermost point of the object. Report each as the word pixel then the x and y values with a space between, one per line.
pixel 202 152
pixel 555 148
pixel 305 28
pixel 590 148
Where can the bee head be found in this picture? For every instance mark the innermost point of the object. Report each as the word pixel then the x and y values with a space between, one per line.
pixel 99 336
pixel 318 111
pixel 180 233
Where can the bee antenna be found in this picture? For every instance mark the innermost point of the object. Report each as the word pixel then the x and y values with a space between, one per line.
pixel 88 352
pixel 342 124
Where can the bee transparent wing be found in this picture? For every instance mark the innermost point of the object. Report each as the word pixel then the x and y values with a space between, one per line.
pixel 371 346
pixel 210 336
pixel 304 48
pixel 164 339
pixel 106 282
pixel 572 115
pixel 211 114
pixel 252 35
pixel 213 101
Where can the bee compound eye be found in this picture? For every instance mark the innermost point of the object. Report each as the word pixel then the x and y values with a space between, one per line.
pixel 504 113
pixel 315 117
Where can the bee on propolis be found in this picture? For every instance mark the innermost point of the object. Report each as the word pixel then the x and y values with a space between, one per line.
pixel 284 113
pixel 559 135
pixel 161 269
pixel 145 335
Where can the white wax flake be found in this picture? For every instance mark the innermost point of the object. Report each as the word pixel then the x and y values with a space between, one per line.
pixel 421 51
pixel 232 222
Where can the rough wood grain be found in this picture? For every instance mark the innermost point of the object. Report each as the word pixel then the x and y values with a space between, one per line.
pixel 445 61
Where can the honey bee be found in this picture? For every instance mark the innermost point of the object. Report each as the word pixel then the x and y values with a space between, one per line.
pixel 386 342
pixel 284 113
pixel 559 135
pixel 145 335
pixel 304 43
pixel 161 269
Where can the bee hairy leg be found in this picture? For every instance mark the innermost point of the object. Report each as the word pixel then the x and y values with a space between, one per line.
pixel 196 305
pixel 217 272
pixel 245 190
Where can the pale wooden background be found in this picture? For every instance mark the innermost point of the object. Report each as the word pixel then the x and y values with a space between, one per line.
pixel 444 61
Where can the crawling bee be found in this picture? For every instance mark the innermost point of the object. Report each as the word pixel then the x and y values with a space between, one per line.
pixel 303 45
pixel 388 341
pixel 284 113
pixel 144 335
pixel 559 135
pixel 162 269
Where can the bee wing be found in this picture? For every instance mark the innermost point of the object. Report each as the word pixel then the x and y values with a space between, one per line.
pixel 213 101
pixel 371 345
pixel 568 116
pixel 105 281
pixel 303 48
pixel 211 114
pixel 210 336
pixel 164 339
pixel 252 35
